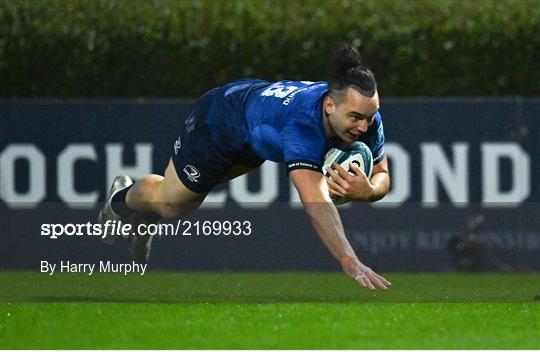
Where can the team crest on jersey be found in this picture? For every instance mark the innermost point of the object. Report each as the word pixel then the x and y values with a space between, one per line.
pixel 177 145
pixel 192 173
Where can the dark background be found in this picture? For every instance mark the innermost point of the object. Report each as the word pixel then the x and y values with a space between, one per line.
pixel 410 236
pixel 123 74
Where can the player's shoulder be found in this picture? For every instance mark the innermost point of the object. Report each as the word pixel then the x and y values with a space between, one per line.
pixel 290 84
pixel 304 86
pixel 290 95
pixel 303 96
pixel 377 118
pixel 286 87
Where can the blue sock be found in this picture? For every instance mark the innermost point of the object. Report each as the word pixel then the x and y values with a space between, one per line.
pixel 118 203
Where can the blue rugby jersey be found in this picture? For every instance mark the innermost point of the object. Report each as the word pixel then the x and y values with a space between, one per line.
pixel 282 122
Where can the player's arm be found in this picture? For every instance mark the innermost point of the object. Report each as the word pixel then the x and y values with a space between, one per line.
pixel 311 186
pixel 380 180
pixel 359 187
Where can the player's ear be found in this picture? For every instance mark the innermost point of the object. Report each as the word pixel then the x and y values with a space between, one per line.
pixel 329 105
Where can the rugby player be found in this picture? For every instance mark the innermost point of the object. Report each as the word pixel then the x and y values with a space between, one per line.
pixel 236 127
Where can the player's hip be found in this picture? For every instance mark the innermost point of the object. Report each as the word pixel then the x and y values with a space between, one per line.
pixel 202 162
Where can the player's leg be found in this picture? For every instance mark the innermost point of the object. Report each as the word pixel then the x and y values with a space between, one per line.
pixel 144 203
pixel 165 196
pixel 107 213
pixel 196 166
pixel 154 195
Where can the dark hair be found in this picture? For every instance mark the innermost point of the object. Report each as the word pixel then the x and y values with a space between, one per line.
pixel 346 70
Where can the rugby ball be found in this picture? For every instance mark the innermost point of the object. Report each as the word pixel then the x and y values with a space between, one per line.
pixel 358 153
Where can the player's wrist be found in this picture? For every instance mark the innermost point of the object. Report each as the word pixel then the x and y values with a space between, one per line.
pixel 346 260
pixel 370 194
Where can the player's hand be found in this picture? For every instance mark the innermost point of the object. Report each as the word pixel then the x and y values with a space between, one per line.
pixel 363 274
pixel 343 184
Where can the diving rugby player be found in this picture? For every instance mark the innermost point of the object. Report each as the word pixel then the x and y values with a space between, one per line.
pixel 236 127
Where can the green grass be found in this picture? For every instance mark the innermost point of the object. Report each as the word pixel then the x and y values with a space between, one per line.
pixel 163 310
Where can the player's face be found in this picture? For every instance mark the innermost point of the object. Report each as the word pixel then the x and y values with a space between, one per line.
pixel 351 117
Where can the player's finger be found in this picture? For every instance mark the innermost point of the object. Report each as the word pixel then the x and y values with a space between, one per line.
pixel 376 278
pixel 335 176
pixel 378 282
pixel 356 170
pixel 333 173
pixel 369 284
pixel 363 280
pixel 335 193
pixel 335 188
pixel 342 172
pixel 381 278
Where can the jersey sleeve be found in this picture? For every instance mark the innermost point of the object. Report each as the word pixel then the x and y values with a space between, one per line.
pixel 374 139
pixel 303 146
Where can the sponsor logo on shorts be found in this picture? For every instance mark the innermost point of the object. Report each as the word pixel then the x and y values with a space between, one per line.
pixel 192 173
pixel 177 145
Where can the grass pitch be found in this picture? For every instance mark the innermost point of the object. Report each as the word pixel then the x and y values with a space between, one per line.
pixel 162 310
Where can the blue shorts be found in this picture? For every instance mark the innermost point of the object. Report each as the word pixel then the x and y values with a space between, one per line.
pixel 212 141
